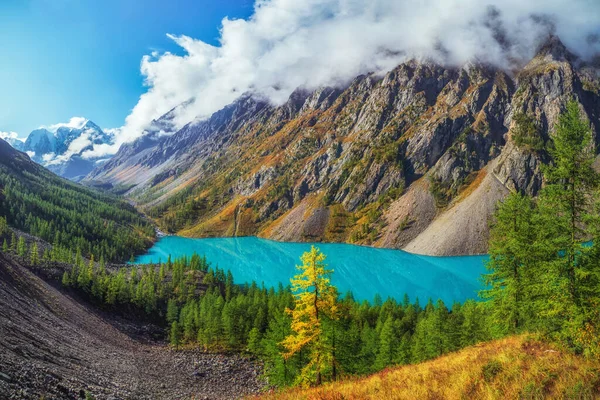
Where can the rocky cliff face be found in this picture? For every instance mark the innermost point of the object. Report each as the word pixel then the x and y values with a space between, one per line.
pixel 414 159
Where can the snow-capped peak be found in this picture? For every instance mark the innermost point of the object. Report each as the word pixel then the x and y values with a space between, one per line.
pixel 74 123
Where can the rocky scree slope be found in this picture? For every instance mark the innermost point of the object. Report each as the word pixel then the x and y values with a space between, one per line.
pixel 415 159
pixel 56 347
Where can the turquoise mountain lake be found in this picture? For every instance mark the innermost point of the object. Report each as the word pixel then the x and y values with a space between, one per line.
pixel 365 271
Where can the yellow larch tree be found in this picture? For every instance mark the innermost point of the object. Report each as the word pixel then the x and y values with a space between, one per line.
pixel 315 302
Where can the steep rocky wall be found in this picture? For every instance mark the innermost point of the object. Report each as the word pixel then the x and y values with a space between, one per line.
pixel 381 161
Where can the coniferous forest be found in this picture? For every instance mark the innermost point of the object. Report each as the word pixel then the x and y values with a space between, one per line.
pixel 66 214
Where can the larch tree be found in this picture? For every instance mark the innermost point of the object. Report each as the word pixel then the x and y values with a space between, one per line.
pixel 35 254
pixel 512 252
pixel 13 243
pixel 21 247
pixel 315 301
pixel 569 194
pixel 566 206
pixel 3 227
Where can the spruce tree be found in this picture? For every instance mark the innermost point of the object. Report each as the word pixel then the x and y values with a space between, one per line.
pixel 5 247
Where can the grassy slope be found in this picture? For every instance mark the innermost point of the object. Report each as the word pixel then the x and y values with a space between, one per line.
pixel 511 368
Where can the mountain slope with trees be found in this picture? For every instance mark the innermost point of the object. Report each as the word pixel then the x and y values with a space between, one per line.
pixel 66 214
pixel 57 346
pixel 415 159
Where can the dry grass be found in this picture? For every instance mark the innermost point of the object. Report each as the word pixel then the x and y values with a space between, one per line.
pixel 466 192
pixel 511 368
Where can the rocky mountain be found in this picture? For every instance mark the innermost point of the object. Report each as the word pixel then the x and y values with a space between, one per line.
pixel 415 159
pixel 61 147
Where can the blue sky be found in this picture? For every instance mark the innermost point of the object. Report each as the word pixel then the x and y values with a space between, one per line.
pixel 65 58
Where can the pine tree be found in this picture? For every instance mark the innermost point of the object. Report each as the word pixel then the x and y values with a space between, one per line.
pixel 5 247
pixel 315 300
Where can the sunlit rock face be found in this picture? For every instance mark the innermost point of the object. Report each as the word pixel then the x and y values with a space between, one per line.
pixel 416 158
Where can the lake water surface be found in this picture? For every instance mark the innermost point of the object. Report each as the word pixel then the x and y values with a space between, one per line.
pixel 365 271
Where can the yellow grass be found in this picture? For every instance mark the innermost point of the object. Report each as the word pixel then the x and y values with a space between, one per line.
pixel 511 368
pixel 473 185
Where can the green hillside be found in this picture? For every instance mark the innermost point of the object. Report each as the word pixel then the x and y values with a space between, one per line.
pixel 42 204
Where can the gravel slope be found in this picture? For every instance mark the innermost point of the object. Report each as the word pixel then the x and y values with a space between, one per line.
pixel 53 347
pixel 464 227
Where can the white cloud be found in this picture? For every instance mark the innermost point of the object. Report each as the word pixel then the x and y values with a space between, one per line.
pixel 75 147
pixel 100 150
pixel 75 123
pixel 48 157
pixel 31 154
pixel 289 43
pixel 10 136
pixel 79 144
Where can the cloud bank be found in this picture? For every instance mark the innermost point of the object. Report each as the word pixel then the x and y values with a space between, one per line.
pixel 289 43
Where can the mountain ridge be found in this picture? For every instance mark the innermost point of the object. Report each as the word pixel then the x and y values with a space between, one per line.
pixel 349 164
